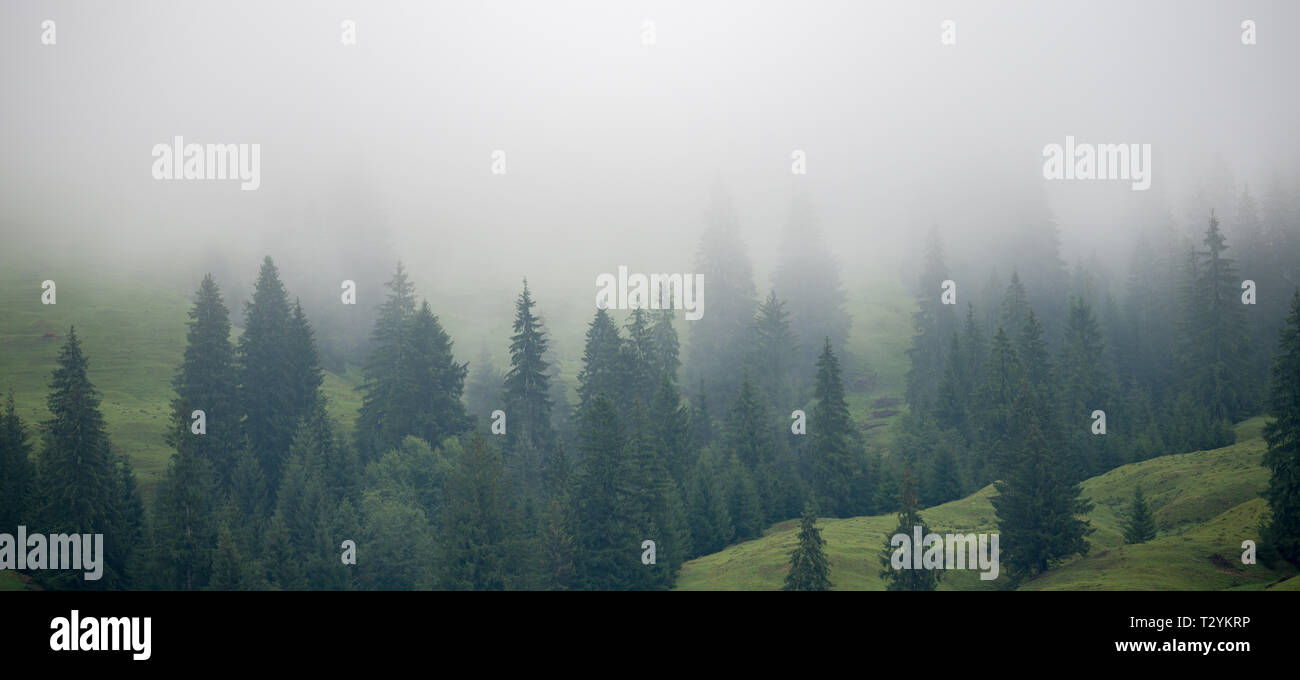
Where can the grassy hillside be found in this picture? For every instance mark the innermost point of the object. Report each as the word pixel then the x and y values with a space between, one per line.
pixel 1205 504
pixel 133 331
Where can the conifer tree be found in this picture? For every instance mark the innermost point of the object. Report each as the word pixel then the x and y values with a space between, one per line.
pixel 1139 525
pixel 639 356
pixel 808 276
pixel 717 347
pixel 909 517
pixel 809 568
pixel 526 392
pixel 671 424
pixel 603 368
pixel 772 356
pixel 934 323
pixel 17 473
pixel 383 370
pixel 207 380
pixel 184 524
pixel 436 382
pixel 268 388
pixel 1038 504
pixel 76 474
pixel 836 443
pixel 480 545
pixel 605 533
pixel 1213 351
pixel 1282 529
pixel 666 344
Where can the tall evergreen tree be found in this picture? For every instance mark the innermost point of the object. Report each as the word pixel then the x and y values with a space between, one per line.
pixel 836 443
pixel 528 404
pixel 1214 348
pixel 17 473
pixel 909 516
pixel 717 349
pixel 773 356
pixel 809 278
pixel 207 380
pixel 1282 529
pixel 809 567
pixel 666 345
pixel 184 523
pixel 1038 505
pixel 268 388
pixel 383 370
pixel 934 324
pixel 606 534
pixel 1139 525
pixel 480 545
pixel 603 367
pixel 436 382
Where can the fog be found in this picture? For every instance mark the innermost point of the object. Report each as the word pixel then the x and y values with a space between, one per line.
pixel 384 149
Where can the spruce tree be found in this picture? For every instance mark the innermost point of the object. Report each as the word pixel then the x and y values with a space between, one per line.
pixel 606 533
pixel 526 393
pixel 267 391
pixel 717 346
pixel 909 517
pixel 382 399
pixel 666 345
pixel 640 356
pixel 603 364
pixel 480 545
pixel 184 523
pixel 809 568
pixel 1038 504
pixel 1282 528
pixel 836 446
pixel 1214 341
pixel 435 382
pixel 934 323
pixel 1139 525
pixel 17 473
pixel 773 356
pixel 207 380
pixel 76 475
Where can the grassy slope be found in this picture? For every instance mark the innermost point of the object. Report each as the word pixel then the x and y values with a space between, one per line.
pixel 1205 503
pixel 133 332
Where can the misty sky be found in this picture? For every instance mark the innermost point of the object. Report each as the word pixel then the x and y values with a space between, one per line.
pixel 612 145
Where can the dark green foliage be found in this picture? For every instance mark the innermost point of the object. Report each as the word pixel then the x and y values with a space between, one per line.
pixel 1038 504
pixel 184 525
pixel 603 368
pixel 773 353
pixel 809 568
pixel 909 517
pixel 1282 530
pixel 17 473
pixel 1139 525
pixel 207 380
pixel 836 446
pixel 480 545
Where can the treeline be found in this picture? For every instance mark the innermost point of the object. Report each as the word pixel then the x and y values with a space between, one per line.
pixel 1038 390
pixel 264 490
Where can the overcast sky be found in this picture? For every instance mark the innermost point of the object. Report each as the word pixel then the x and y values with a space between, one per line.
pixel 612 145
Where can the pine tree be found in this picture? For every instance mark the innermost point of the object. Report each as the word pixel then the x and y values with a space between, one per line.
pixel 1139 525
pixel 934 323
pixel 17 473
pixel 1282 529
pixel 809 278
pixel 605 534
pixel 1087 383
pixel 836 443
pixel 207 380
pixel 528 404
pixel 1015 306
pixel 1038 505
pixel 773 352
pixel 809 568
pixel 1213 351
pixel 480 545
pixel 672 430
pixel 383 370
pixel 639 356
pixel 666 345
pixel 267 391
pixel 717 349
pixel 184 514
pixel 603 368
pixel 435 382
pixel 909 516
pixel 76 474
pixel 997 416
